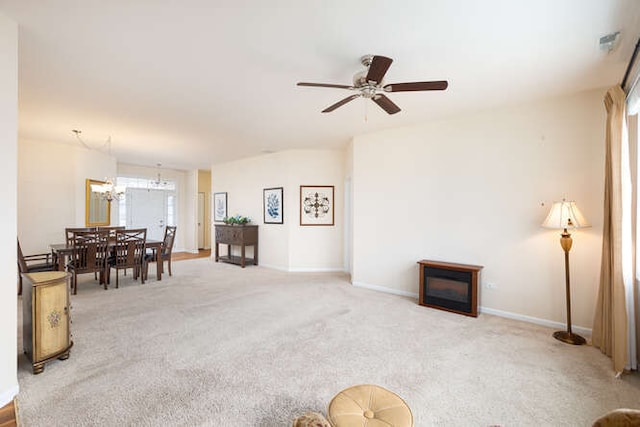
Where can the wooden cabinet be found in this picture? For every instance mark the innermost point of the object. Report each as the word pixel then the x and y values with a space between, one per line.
pixel 237 235
pixel 45 310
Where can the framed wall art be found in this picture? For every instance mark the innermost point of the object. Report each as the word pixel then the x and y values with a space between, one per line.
pixel 272 205
pixel 219 206
pixel 316 205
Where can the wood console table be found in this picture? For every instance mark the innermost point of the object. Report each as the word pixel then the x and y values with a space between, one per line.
pixel 237 235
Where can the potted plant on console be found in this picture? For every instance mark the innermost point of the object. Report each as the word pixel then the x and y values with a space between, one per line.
pixel 236 220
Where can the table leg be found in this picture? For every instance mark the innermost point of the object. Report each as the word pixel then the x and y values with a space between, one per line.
pixel 242 255
pixel 255 254
pixel 217 251
pixel 159 264
pixel 61 259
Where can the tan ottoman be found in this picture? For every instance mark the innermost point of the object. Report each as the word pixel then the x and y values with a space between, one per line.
pixel 369 406
pixel 619 418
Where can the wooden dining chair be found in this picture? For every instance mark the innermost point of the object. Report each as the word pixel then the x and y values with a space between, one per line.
pixel 128 252
pixel 89 255
pixel 166 251
pixel 112 229
pixel 68 232
pixel 33 263
pixel 112 233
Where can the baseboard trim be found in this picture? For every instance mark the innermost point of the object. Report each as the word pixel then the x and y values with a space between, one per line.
pixel 386 290
pixel 536 320
pixel 302 270
pixel 189 251
pixel 486 310
pixel 7 396
pixel 314 270
pixel 274 267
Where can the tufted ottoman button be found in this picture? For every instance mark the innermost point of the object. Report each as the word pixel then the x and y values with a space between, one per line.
pixel 368 406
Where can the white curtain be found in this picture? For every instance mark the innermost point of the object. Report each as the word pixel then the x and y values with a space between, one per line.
pixel 631 216
pixel 610 323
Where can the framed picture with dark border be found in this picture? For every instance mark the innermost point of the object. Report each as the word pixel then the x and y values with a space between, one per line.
pixel 316 205
pixel 272 205
pixel 219 206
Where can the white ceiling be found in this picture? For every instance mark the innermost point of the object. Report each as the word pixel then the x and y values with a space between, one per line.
pixel 192 83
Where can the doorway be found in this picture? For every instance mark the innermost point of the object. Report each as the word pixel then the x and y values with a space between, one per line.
pixel 201 221
pixel 147 209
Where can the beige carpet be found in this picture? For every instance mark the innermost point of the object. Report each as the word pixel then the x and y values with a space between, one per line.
pixel 218 345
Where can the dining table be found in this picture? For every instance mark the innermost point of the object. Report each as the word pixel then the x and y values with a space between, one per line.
pixel 63 250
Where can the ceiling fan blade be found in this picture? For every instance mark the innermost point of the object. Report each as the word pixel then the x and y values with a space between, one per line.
pixel 325 85
pixel 378 68
pixel 416 86
pixel 340 103
pixel 386 104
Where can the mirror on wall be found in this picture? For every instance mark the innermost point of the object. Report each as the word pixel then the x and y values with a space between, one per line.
pixel 98 209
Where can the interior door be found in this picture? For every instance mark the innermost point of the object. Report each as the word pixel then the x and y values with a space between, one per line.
pixel 200 220
pixel 147 209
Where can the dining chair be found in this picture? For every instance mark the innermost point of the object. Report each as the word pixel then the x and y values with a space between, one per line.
pixel 112 233
pixel 165 254
pixel 33 263
pixel 112 229
pixel 89 255
pixel 128 252
pixel 68 232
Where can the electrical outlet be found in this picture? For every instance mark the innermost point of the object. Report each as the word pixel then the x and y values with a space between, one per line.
pixel 490 285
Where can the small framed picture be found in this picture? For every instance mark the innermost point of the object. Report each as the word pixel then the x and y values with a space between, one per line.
pixel 272 205
pixel 316 205
pixel 219 206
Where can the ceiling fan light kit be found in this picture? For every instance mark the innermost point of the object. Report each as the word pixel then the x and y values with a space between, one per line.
pixel 369 84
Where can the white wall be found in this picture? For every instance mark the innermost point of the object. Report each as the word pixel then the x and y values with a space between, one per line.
pixel 8 176
pixel 316 248
pixel 52 190
pixel 288 246
pixel 470 190
pixel 186 221
pixel 191 212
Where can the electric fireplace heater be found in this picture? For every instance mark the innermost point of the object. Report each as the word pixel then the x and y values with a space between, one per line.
pixel 448 286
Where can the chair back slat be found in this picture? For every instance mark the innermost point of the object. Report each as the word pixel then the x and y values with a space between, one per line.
pixel 90 250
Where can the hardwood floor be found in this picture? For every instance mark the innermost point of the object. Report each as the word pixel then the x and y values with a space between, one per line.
pixel 178 256
pixel 8 416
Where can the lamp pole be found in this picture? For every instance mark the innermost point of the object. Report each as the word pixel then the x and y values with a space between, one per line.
pixel 567 336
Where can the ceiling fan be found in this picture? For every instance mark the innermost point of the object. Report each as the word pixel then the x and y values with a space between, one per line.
pixel 368 84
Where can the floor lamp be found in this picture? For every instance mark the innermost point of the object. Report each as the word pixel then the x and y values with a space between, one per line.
pixel 565 215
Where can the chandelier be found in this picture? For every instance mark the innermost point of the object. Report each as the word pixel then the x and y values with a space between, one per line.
pixel 108 191
pixel 158 183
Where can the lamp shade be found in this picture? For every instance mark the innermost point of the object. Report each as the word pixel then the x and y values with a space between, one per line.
pixel 565 215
